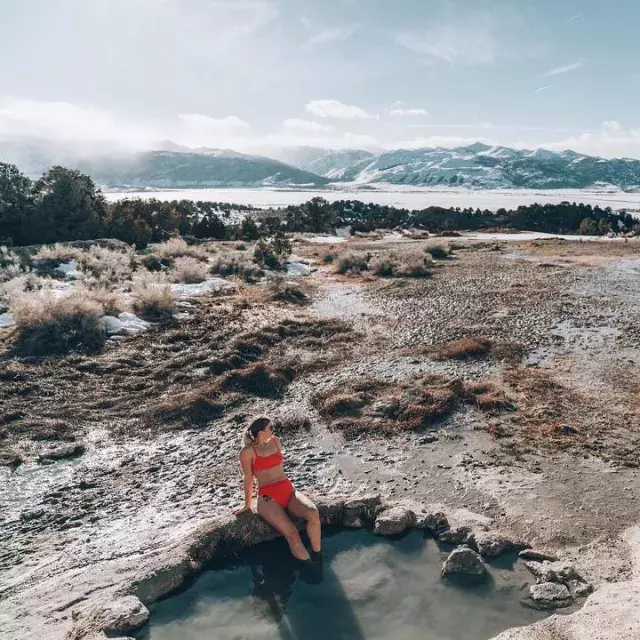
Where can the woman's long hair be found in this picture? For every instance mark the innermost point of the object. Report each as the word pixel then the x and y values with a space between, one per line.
pixel 250 436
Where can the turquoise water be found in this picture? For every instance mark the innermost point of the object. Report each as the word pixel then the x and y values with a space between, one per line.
pixel 366 588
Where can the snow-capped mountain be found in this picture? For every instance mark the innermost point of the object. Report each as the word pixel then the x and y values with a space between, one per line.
pixel 481 166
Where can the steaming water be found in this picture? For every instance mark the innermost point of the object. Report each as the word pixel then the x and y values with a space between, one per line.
pixel 370 588
pixel 410 198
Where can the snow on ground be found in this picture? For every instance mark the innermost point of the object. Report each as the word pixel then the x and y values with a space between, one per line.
pixel 325 239
pixel 401 196
pixel 70 269
pixel 534 235
pixel 211 285
pixel 125 324
pixel 6 320
pixel 296 268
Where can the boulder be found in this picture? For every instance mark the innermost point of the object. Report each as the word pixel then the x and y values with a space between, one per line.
pixel 356 513
pixel 393 521
pixel 549 595
pixel 560 572
pixel 537 556
pixel 464 563
pixel 123 615
pixel 492 545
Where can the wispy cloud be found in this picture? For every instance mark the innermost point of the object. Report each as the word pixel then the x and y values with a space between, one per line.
pixel 469 43
pixel 330 35
pixel 564 69
pixel 399 112
pixel 336 109
pixel 578 15
pixel 540 89
pixel 298 124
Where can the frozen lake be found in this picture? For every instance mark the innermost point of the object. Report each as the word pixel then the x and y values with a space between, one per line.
pixel 406 197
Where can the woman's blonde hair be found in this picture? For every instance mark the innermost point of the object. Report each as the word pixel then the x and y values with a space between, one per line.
pixel 250 436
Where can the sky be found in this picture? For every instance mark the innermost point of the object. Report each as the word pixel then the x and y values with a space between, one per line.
pixel 376 74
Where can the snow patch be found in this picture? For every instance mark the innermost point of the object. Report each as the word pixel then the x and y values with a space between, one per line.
pixel 124 324
pixel 6 320
pixel 69 269
pixel 210 285
pixel 325 239
pixel 295 268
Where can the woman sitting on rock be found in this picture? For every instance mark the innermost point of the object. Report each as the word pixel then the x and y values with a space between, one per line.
pixel 261 458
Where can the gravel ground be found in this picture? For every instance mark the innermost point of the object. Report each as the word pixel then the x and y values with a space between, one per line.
pixel 573 310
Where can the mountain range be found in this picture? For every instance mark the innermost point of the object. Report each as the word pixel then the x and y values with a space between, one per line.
pixel 476 166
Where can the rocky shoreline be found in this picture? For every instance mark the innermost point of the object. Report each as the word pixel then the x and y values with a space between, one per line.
pixel 121 607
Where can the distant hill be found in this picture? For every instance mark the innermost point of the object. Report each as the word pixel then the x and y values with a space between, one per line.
pixel 211 168
pixel 477 166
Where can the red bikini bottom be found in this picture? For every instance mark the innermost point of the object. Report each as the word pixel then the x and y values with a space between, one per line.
pixel 280 491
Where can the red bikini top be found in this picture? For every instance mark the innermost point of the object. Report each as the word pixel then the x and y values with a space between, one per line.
pixel 262 463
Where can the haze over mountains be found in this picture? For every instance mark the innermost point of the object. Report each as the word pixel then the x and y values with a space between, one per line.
pixel 173 166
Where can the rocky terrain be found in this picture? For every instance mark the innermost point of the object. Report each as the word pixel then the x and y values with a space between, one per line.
pixel 504 385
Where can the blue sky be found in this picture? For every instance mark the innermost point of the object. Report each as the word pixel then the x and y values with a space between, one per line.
pixel 250 74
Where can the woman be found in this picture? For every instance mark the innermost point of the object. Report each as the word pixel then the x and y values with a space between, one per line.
pixel 261 458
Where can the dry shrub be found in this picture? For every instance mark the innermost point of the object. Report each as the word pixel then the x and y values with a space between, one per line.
pixel 110 301
pixel 49 325
pixel 152 297
pixel 56 253
pixel 188 270
pixel 463 349
pixel 401 265
pixel 262 379
pixel 328 257
pixel 10 265
pixel 29 283
pixel 230 264
pixel 438 252
pixel 104 267
pixel 352 263
pixel 177 248
pixel 282 290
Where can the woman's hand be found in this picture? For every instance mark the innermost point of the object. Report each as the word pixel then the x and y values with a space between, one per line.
pixel 247 507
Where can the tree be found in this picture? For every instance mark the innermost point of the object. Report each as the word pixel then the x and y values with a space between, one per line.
pixel 317 216
pixel 69 206
pixel 249 229
pixel 16 205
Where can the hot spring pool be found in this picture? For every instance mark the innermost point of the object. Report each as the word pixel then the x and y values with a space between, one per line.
pixel 366 588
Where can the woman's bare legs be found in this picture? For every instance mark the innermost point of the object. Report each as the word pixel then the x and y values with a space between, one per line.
pixel 301 507
pixel 277 517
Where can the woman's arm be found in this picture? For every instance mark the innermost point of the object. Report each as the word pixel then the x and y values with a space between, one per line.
pixel 247 472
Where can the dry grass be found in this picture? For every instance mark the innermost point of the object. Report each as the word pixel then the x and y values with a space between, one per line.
pixel 401 265
pixel 177 248
pixel 105 267
pixel 463 349
pixel 56 253
pixel 261 379
pixel 48 325
pixel 283 290
pixel 438 252
pixel 10 265
pixel 110 301
pixel 352 263
pixel 152 297
pixel 233 264
pixel 188 270
pixel 194 407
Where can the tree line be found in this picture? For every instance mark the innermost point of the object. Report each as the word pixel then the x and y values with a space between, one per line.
pixel 65 205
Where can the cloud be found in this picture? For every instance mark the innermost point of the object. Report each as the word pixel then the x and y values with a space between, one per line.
pixel 304 125
pixel 578 15
pixel 612 140
pixel 201 130
pixel 359 140
pixel 545 88
pixel 469 42
pixel 448 142
pixel 329 35
pixel 565 69
pixel 336 109
pixel 407 113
